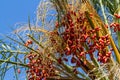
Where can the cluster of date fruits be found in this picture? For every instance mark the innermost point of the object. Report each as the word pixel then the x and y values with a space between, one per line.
pixel 81 40
pixel 39 68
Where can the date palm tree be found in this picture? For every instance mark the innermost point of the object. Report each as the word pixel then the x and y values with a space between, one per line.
pixel 70 40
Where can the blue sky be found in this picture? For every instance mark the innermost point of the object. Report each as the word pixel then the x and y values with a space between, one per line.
pixel 12 12
pixel 16 11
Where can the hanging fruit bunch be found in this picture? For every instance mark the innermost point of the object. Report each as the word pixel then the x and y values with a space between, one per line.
pixel 39 67
pixel 81 36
